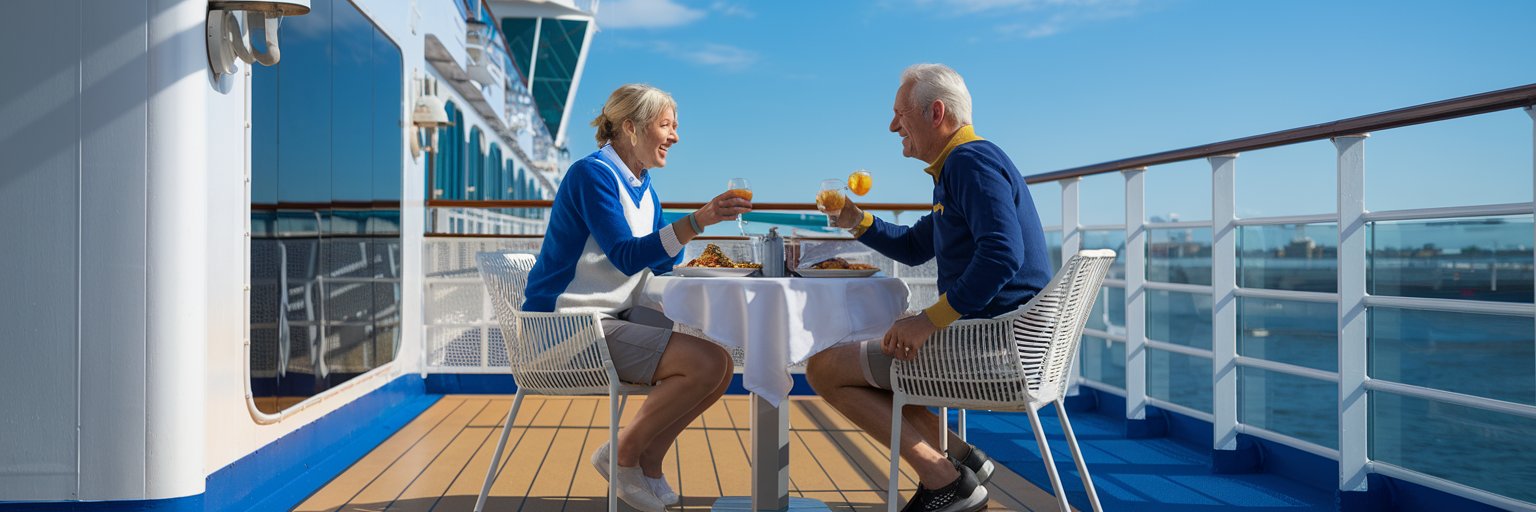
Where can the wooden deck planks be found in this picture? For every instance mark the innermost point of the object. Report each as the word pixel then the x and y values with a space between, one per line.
pixel 344 487
pixel 438 461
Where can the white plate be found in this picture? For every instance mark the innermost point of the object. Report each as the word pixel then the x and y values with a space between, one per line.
pixel 712 272
pixel 835 272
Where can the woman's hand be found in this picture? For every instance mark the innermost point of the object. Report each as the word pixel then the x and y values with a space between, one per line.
pixel 723 207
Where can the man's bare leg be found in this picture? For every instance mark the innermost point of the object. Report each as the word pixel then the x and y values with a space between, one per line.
pixel 870 409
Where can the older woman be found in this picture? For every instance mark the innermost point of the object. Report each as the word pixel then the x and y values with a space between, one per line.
pixel 605 238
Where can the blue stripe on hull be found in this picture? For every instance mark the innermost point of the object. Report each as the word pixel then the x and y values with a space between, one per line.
pixel 280 475
pixel 184 504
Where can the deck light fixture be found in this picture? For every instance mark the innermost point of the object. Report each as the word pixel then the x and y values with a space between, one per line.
pixel 229 38
pixel 429 114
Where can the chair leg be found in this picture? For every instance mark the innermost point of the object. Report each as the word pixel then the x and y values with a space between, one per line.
pixel 490 473
pixel 614 406
pixel 944 430
pixel 893 494
pixel 961 426
pixel 1050 464
pixel 1077 456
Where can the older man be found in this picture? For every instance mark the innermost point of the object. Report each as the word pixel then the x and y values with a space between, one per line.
pixel 991 256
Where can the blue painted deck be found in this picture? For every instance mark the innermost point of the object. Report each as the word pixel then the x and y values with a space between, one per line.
pixel 1141 475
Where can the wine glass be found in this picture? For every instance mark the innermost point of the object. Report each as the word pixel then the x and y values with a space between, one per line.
pixel 830 200
pixel 740 188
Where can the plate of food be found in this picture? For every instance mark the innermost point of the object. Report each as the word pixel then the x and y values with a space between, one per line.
pixel 714 263
pixel 838 267
pixel 712 272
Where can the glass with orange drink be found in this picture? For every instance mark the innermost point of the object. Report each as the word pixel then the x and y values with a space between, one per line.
pixel 860 181
pixel 830 199
pixel 738 187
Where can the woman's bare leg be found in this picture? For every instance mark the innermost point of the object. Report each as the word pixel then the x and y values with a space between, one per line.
pixel 687 382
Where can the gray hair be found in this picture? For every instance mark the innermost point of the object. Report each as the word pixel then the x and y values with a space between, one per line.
pixel 636 103
pixel 939 82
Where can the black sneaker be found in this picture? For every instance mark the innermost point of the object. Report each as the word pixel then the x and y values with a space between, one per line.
pixel 978 462
pixel 961 495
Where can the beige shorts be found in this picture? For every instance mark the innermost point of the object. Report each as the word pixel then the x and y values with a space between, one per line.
pixel 876 365
pixel 636 340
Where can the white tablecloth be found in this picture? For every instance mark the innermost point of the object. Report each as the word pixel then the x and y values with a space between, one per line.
pixel 781 321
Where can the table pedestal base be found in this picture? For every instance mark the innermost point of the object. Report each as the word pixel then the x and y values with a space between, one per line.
pixel 770 455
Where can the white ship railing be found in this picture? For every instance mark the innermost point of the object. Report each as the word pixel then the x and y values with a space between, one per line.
pixel 1355 305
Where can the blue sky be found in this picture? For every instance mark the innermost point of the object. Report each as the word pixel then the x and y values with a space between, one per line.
pixel 786 93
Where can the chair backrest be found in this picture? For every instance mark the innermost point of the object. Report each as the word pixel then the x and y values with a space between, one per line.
pixel 548 354
pixel 506 279
pixel 1047 334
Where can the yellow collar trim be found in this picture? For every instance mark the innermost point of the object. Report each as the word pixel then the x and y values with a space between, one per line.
pixel 965 134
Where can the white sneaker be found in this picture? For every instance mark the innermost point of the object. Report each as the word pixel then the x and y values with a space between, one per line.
pixel 664 491
pixel 600 460
pixel 635 488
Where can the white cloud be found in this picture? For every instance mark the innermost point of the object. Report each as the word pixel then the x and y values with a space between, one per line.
pixel 645 14
pixel 714 55
pixel 731 9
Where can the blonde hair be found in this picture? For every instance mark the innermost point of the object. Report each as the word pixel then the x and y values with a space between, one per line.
pixel 932 82
pixel 637 103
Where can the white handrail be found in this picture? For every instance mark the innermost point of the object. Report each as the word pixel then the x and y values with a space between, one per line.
pixel 1453 212
pixel 1437 395
pixel 1287 368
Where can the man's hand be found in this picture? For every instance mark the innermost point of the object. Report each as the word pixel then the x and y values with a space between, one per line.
pixel 848 217
pixel 907 336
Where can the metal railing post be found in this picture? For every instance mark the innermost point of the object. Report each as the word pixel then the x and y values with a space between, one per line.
pixel 1071 239
pixel 1135 294
pixel 1354 414
pixel 1223 302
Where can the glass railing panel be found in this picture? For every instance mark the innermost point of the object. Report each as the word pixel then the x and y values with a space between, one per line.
pixel 1178 190
pixel 1299 407
pixel 1100 199
pixel 1104 361
pixel 1296 257
pixel 1490 356
pixel 1482 449
pixel 1047 198
pixel 1180 255
pixel 1292 332
pixel 1179 378
pixel 1179 318
pixel 1053 246
pixel 1108 313
pixel 1481 159
pixel 1295 179
pixel 1484 258
pixel 1108 239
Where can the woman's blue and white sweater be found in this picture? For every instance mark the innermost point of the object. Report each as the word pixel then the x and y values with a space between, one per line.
pixel 605 238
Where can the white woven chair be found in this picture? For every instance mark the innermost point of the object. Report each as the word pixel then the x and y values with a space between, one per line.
pixel 1020 361
pixel 550 354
